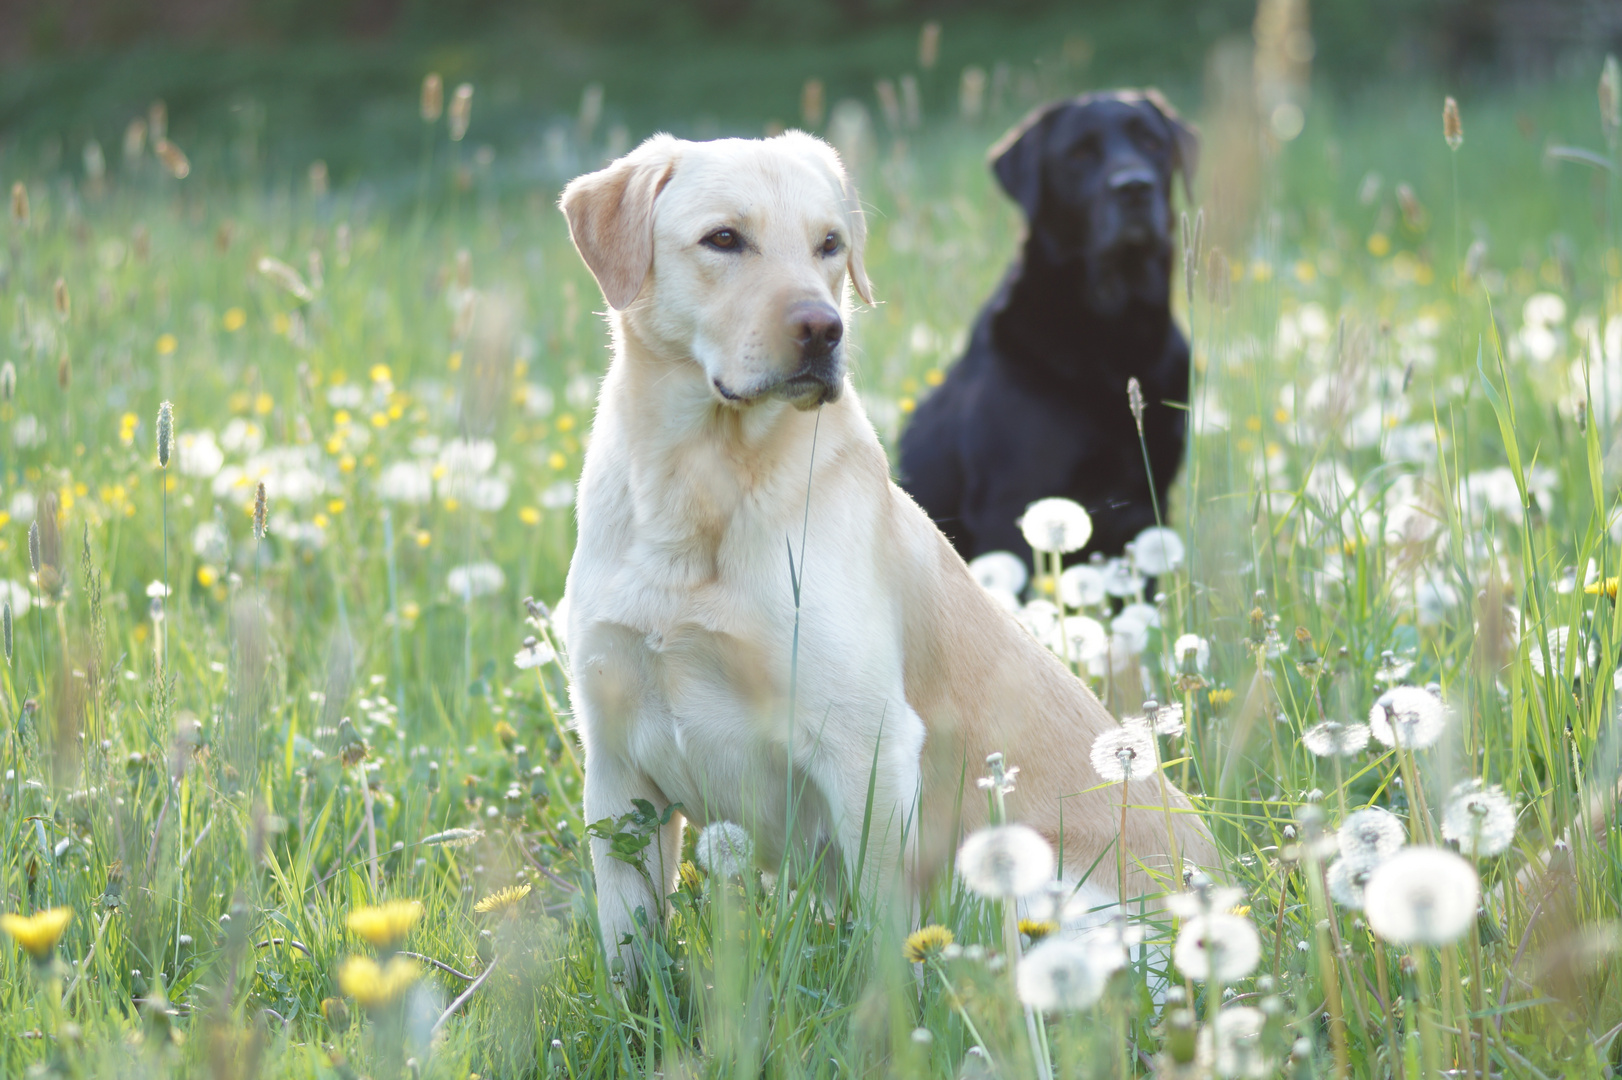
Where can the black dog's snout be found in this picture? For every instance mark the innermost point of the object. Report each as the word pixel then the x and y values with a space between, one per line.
pixel 1136 181
pixel 816 328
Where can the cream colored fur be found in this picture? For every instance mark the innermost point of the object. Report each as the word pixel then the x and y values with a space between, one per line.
pixel 700 479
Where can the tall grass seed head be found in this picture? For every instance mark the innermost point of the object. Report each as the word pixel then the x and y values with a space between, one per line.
pixel 6 628
pixel 1610 98
pixel 1059 976
pixel 19 205
pixel 1134 402
pixel 1408 715
pixel 1005 861
pixel 725 850
pixel 60 299
pixel 37 934
pixel 1452 126
pixel 8 381
pixel 1056 526
pixel 385 925
pixel 1422 896
pixel 33 547
pixel 174 159
pixel 433 97
pixel 1331 738
pixel 1124 754
pixel 1480 819
pixel 1371 835
pixel 260 510
pixel 1219 947
pixel 166 433
pixel 461 113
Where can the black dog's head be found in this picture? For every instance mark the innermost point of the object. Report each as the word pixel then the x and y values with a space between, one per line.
pixel 1094 177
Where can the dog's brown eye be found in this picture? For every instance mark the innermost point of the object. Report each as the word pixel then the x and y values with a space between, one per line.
pixel 830 244
pixel 723 240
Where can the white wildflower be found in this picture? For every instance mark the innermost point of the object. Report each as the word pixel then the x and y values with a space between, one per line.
pixel 1232 1044
pixel 1059 976
pixel 209 541
pixel 1082 586
pixel 1134 623
pixel 725 850
pixel 1480 819
pixel 474 580
pixel 1056 526
pixel 1005 861
pixel 535 653
pixel 1333 738
pixel 406 482
pixel 16 594
pixel 558 496
pixel 1422 896
pixel 1000 571
pixel 199 454
pixel 1124 754
pixel 1410 714
pixel 1219 947
pixel 1157 550
pixel 1371 835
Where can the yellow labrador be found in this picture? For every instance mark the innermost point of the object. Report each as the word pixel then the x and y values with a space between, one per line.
pixel 731 468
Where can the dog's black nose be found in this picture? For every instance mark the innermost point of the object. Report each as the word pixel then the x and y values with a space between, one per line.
pixel 816 328
pixel 1135 182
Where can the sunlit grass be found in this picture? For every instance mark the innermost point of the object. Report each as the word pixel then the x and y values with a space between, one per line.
pixel 228 754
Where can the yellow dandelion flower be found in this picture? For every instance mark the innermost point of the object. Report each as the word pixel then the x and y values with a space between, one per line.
pixel 335 506
pixel 502 901
pixel 1608 587
pixel 1379 245
pixel 37 933
pixel 341 418
pixel 385 924
pixel 455 362
pixel 1219 696
pixel 906 405
pixel 263 403
pixel 167 344
pixel 374 985
pixel 381 373
pixel 687 873
pixel 529 515
pixel 1037 929
pixel 566 422
pixel 506 733
pixel 380 420
pixel 424 538
pixel 207 576
pixel 556 461
pixel 934 377
pixel 280 323
pixel 926 943
pixel 410 610
pixel 235 319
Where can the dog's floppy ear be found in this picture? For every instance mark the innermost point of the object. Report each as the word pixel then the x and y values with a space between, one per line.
pixel 1016 158
pixel 854 262
pixel 610 216
pixel 1185 139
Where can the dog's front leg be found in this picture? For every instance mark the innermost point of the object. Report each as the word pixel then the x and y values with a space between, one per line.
pixel 623 888
pixel 874 789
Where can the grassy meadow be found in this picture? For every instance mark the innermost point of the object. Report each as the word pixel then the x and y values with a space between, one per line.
pixel 228 739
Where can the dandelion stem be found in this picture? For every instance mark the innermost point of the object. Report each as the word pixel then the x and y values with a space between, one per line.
pixel 371 829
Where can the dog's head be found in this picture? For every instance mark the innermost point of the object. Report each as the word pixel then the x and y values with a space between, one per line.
pixel 733 253
pixel 1094 176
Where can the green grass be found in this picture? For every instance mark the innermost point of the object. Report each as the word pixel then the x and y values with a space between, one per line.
pixel 181 785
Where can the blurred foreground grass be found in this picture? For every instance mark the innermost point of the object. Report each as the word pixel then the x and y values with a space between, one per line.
pixel 208 734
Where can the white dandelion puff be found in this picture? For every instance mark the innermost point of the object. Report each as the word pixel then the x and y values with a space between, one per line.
pixel 1480 819
pixel 1347 879
pixel 1124 754
pixel 1204 898
pixel 1232 1044
pixel 1082 586
pixel 1219 947
pixel 1000 571
pixel 1121 580
pixel 1059 976
pixel 535 653
pixel 724 850
pixel 1057 526
pixel 1422 896
pixel 1005 861
pixel 475 580
pixel 1371 835
pixel 1335 739
pixel 1157 550
pixel 1408 714
pixel 1192 643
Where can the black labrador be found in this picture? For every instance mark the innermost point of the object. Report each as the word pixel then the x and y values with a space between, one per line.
pixel 1038 405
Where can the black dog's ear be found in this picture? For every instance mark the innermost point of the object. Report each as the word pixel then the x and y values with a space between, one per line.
pixel 1016 158
pixel 1185 139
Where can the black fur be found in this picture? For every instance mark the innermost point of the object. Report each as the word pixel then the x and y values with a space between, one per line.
pixel 1038 404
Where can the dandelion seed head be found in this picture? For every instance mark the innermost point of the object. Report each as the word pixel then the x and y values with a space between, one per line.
pixel 1218 947
pixel 1082 586
pixel 1056 525
pixel 535 653
pixel 1409 715
pixel 1125 753
pixel 1347 878
pixel 1371 835
pixel 1000 571
pixel 1204 897
pixel 1059 976
pixel 1422 896
pixel 1480 819
pixel 1232 1044
pixel 1157 550
pixel 725 850
pixel 1192 643
pixel 1005 861
pixel 1334 739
